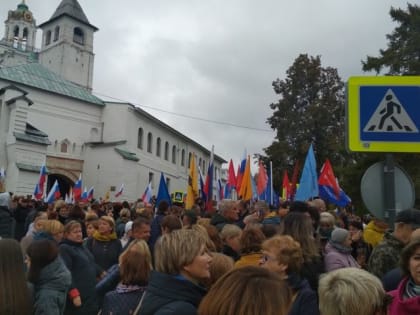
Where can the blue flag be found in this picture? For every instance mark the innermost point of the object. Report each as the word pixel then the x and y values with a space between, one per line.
pixel 327 193
pixel 308 185
pixel 163 193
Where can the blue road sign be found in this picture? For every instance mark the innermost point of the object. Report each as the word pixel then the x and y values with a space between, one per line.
pixel 383 114
pixel 390 113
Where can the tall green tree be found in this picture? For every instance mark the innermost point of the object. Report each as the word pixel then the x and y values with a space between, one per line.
pixel 401 57
pixel 310 110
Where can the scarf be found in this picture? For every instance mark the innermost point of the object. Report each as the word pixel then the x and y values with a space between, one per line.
pixel 125 288
pixel 411 289
pixel 342 249
pixel 104 238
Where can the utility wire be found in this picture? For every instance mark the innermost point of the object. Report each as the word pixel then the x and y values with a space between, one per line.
pixel 72 85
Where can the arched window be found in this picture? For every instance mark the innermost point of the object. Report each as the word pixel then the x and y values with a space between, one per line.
pixel 63 148
pixel 149 142
pixel 158 146
pixel 199 164
pixel 56 33
pixel 48 38
pixel 215 173
pixel 204 166
pixel 25 33
pixel 78 36
pixel 174 154
pixel 183 157
pixel 16 31
pixel 189 158
pixel 140 138
pixel 166 150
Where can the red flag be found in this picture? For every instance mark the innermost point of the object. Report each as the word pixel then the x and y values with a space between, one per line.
pixel 285 187
pixel 294 180
pixel 262 178
pixel 231 175
pixel 239 179
pixel 327 177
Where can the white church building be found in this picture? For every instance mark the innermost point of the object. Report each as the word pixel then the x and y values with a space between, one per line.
pixel 48 115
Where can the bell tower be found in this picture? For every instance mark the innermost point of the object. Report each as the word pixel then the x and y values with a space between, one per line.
pixel 67 44
pixel 20 29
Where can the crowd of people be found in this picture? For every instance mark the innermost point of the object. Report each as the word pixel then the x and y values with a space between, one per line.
pixel 239 258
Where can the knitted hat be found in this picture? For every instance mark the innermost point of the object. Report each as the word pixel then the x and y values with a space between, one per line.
pixel 339 235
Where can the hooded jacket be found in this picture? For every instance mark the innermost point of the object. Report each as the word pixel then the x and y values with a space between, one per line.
pixel 171 295
pixel 51 289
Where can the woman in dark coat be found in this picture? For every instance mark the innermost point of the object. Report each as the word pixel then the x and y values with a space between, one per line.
pixel 135 267
pixel 80 262
pixel 181 262
pixel 104 244
pixel 50 277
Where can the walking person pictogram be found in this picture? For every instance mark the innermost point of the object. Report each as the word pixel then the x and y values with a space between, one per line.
pixel 389 112
pixel 390 116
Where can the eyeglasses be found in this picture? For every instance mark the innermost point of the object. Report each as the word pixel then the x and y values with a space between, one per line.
pixel 265 258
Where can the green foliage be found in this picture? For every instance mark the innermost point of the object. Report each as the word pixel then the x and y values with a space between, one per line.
pixel 310 110
pixel 402 57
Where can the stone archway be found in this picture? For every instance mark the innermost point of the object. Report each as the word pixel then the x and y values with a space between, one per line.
pixel 63 182
pixel 66 171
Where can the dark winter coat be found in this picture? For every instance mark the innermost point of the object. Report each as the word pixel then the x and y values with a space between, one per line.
pixel 7 223
pixel 155 230
pixel 306 300
pixel 171 295
pixel 108 283
pixel 311 271
pixel 106 253
pixel 81 264
pixel 219 221
pixel 118 302
pixel 50 290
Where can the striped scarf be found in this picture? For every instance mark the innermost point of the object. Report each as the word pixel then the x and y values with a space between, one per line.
pixel 411 289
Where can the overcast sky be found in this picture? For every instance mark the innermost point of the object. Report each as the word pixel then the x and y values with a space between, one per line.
pixel 214 61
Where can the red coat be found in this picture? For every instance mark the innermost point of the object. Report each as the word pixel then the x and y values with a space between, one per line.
pixel 400 306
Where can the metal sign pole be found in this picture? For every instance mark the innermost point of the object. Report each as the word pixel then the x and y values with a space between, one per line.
pixel 389 189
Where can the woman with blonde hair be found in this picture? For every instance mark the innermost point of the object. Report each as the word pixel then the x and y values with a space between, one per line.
pixel 231 235
pixel 349 291
pixel 104 244
pixel 53 229
pixel 247 291
pixel 181 263
pixel 135 265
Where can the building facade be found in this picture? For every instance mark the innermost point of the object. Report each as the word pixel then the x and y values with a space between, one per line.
pixel 49 115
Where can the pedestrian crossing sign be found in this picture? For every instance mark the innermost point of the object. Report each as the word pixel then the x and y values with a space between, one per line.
pixel 383 114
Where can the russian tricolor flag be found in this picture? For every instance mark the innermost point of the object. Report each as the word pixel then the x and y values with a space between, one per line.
pixel 77 189
pixel 148 193
pixel 39 187
pixel 119 193
pixel 54 193
pixel 90 193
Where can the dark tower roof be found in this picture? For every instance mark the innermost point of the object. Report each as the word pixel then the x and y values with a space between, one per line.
pixel 72 9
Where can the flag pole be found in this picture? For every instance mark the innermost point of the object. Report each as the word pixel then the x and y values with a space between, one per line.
pixel 271 183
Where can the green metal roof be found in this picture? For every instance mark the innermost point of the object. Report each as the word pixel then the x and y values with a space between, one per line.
pixel 127 155
pixel 36 75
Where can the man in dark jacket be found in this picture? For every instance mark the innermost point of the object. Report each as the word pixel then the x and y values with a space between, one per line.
pixel 386 255
pixel 228 214
pixel 7 222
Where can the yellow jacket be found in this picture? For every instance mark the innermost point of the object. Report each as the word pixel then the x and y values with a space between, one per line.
pixel 373 234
